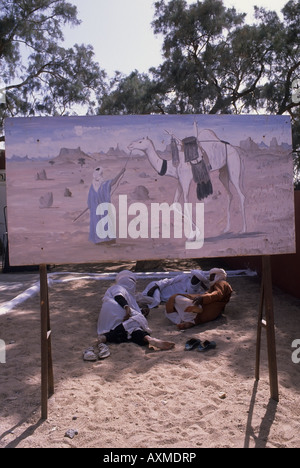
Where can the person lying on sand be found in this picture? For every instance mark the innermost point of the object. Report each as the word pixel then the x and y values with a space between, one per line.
pixel 161 291
pixel 188 310
pixel 121 320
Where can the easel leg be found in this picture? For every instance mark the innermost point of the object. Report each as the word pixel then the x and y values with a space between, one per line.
pixel 266 302
pixel 259 329
pixel 47 382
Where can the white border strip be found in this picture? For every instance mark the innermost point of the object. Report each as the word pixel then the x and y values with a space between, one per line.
pixel 35 289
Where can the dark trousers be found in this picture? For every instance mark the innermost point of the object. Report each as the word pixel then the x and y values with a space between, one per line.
pixel 119 335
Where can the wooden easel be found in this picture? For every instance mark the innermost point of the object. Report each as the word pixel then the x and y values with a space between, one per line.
pixel 266 302
pixel 47 384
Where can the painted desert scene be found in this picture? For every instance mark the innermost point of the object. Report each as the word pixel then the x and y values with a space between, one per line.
pixel 169 186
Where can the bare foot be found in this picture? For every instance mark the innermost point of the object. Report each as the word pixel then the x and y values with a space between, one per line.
pixel 101 339
pixel 185 325
pixel 164 345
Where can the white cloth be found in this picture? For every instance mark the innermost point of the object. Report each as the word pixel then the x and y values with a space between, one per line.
pixel 221 275
pixel 125 274
pixel 137 321
pixel 181 303
pixel 201 277
pixel 111 313
pixel 181 284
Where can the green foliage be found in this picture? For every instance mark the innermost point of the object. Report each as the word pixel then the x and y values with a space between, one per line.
pixel 133 94
pixel 213 62
pixel 40 76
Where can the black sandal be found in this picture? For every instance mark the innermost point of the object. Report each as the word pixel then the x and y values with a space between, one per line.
pixel 206 346
pixel 192 344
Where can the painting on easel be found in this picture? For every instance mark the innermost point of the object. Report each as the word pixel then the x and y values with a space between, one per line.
pixel 110 188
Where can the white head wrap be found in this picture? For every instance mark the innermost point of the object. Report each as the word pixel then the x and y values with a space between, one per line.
pixel 221 275
pixel 127 279
pixel 201 276
pixel 125 274
pixel 98 173
pixel 97 178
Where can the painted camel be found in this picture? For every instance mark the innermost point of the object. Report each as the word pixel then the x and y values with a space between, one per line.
pixel 222 157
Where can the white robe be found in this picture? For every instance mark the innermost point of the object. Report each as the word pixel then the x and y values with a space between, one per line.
pixel 137 321
pixel 181 303
pixel 112 314
pixel 181 284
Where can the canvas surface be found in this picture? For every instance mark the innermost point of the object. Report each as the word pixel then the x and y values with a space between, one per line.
pixel 109 188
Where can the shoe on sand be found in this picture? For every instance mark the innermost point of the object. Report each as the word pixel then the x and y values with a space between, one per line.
pixel 206 346
pixel 90 355
pixel 192 344
pixel 103 351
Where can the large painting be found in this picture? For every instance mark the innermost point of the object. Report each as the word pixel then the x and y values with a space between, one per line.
pixel 109 188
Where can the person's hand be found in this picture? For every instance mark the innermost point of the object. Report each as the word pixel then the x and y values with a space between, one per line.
pixel 128 313
pixel 145 311
pixel 198 301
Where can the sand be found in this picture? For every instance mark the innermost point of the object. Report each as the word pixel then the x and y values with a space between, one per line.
pixel 141 398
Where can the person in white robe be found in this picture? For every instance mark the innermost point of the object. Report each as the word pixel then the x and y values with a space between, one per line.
pixel 160 291
pixel 121 320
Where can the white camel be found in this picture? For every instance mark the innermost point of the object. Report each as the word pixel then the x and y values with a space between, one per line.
pixel 183 173
pixel 222 157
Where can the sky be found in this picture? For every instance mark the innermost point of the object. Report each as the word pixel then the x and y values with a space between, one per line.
pixel 43 137
pixel 121 34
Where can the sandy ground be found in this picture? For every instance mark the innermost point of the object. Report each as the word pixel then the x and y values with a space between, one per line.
pixel 140 398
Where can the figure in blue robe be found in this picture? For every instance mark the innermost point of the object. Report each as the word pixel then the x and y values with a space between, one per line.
pixel 100 192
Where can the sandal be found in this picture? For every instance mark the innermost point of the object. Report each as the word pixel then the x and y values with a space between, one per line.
pixel 103 351
pixel 191 344
pixel 207 345
pixel 89 355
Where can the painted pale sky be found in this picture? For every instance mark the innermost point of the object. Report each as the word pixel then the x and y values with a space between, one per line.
pixel 43 137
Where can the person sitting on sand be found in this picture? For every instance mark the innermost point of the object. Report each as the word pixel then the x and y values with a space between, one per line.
pixel 121 320
pixel 160 291
pixel 188 310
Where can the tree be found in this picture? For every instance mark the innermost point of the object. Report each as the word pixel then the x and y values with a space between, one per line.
pixel 284 58
pixel 215 63
pixel 39 76
pixel 133 94
pixel 195 42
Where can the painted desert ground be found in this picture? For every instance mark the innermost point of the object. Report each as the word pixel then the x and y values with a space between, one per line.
pixel 46 199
